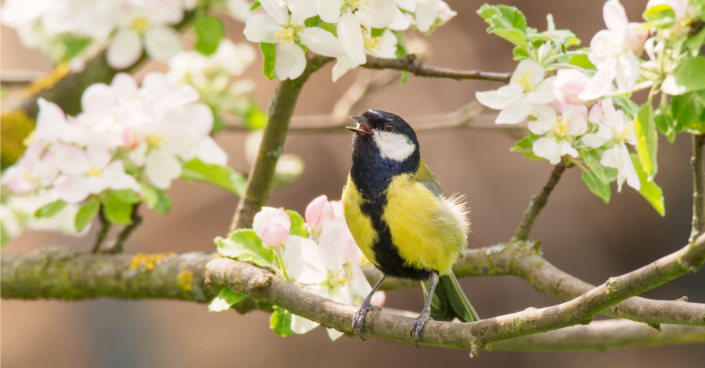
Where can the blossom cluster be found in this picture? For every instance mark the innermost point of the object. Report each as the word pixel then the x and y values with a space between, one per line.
pixel 128 144
pixel 320 256
pixel 576 103
pixel 347 30
pixel 129 26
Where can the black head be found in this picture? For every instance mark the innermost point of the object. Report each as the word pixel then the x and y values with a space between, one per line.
pixel 385 133
pixel 384 145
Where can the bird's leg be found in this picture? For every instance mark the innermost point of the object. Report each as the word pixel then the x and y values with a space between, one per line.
pixel 425 315
pixel 358 322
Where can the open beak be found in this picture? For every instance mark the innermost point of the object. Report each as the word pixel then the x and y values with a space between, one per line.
pixel 362 127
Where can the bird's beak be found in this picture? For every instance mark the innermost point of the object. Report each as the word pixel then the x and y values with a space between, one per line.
pixel 362 127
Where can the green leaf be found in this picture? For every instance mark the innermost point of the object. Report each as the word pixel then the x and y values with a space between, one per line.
pixel 126 195
pixel 4 235
pixel 648 189
pixel 647 139
pixel 116 209
pixel 218 123
pixel 507 22
pixel 526 146
pixel 298 224
pixel 660 16
pixel 72 46
pixel 280 322
pixel 685 111
pixel 50 209
pixel 255 117
pixel 695 43
pixel 156 199
pixel 269 52
pixel 209 31
pixel 86 213
pixel 630 107
pixel 222 176
pixel 582 61
pixel 688 76
pixel 592 158
pixel 597 186
pixel 225 299
pixel 244 245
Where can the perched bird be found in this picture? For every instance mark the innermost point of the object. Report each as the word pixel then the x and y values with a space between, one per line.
pixel 401 220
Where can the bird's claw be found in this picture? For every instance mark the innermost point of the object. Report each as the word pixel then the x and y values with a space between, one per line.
pixel 358 322
pixel 417 327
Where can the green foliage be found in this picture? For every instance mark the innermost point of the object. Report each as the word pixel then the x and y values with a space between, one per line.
pixel 298 224
pixel 630 107
pixel 244 245
pixel 280 322
pixel 118 206
pixel 72 45
pixel 225 299
pixel 222 176
pixel 647 139
pixel 209 31
pixel 505 21
pixel 688 76
pixel 156 199
pixel 86 213
pixel 660 16
pixel 686 112
pixel 50 209
pixel 526 145
pixel 597 186
pixel 269 52
pixel 254 118
pixel 649 190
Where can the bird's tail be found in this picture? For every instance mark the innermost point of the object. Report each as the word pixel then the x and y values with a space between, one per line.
pixel 449 301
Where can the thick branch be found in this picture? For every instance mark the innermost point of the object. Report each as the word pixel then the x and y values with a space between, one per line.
pixel 698 164
pixel 410 64
pixel 260 179
pixel 538 202
pixel 603 336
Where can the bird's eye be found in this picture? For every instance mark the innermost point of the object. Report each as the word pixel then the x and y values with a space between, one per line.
pixel 388 127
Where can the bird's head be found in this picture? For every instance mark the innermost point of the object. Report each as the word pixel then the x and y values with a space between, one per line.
pixel 385 133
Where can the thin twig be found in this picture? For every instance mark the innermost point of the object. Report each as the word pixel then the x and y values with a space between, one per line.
pixel 126 231
pixel 365 84
pixel 698 164
pixel 538 202
pixel 105 226
pixel 260 179
pixel 410 64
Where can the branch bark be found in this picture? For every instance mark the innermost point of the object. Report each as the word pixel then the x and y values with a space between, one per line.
pixel 259 181
pixel 698 164
pixel 412 66
pixel 539 201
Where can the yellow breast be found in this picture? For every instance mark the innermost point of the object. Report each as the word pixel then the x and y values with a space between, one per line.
pixel 359 224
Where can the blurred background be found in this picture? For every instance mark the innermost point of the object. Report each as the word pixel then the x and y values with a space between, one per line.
pixel 579 233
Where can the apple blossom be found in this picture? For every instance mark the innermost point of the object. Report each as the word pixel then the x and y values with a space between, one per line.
pixel 569 83
pixel 526 89
pixel 559 130
pixel 318 212
pixel 615 131
pixel 280 23
pixel 272 226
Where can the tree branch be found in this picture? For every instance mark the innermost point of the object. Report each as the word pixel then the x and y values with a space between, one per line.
pixel 698 164
pixel 259 181
pixel 538 202
pixel 602 336
pixel 410 64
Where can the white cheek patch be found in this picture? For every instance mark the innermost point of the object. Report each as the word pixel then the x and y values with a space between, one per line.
pixel 393 146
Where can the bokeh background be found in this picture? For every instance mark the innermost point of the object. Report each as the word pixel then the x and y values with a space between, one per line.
pixel 579 233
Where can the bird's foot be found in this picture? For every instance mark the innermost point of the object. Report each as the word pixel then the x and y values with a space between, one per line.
pixel 417 327
pixel 358 322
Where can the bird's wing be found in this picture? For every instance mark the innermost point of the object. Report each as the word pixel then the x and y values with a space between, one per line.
pixel 425 177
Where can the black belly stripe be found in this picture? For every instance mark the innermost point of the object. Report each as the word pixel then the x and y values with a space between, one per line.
pixel 386 253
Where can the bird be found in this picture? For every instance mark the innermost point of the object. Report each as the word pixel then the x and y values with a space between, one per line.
pixel 401 220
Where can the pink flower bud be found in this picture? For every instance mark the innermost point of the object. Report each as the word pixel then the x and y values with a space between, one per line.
pixel 569 83
pixel 317 212
pixel 636 36
pixel 378 298
pixel 272 226
pixel 595 112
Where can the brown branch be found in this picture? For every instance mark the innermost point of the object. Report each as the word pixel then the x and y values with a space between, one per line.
pixel 410 64
pixel 602 336
pixel 539 201
pixel 259 181
pixel 698 164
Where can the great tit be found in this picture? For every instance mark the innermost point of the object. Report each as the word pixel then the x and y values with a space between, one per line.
pixel 401 220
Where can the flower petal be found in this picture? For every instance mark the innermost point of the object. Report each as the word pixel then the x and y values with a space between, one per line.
pixel 515 113
pixel 124 50
pixel 303 260
pixel 615 17
pixel 350 36
pixel 500 98
pixel 261 28
pixel 547 148
pixel 329 10
pixel 162 168
pixel 321 42
pixel 291 61
pixel 162 43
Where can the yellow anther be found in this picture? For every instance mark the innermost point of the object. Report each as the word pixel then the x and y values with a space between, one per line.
pixel 95 171
pixel 524 81
pixel 155 140
pixel 140 24
pixel 286 35
pixel 371 44
pixel 560 128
